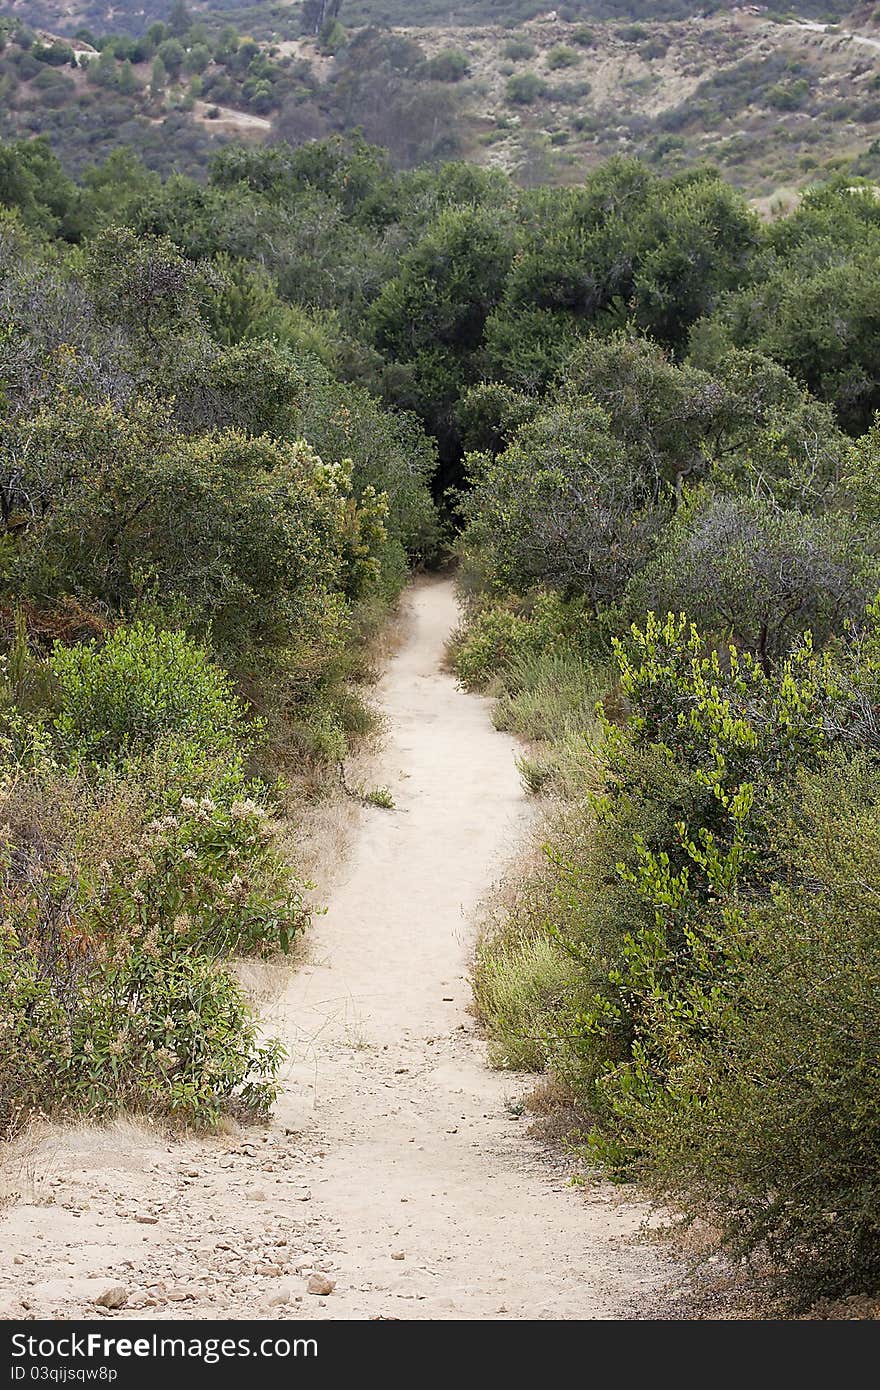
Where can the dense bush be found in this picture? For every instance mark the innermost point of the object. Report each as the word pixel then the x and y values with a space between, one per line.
pixel 775 1124
pixel 758 576
pixel 140 687
pixel 562 506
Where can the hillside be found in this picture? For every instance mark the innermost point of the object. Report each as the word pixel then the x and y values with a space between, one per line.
pixel 286 16
pixel 771 103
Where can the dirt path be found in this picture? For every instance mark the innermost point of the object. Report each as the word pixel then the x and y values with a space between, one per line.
pixel 395 1163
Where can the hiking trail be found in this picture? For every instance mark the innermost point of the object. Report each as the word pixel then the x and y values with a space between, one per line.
pixel 395 1162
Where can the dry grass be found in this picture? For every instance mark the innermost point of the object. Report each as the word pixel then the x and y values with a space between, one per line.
pixel 556 1118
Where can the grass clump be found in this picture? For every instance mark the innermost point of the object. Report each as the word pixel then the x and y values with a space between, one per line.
pixel 519 978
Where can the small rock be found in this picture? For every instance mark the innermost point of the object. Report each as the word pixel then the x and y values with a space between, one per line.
pixel 255 1194
pixel 267 1269
pixel 19 1260
pixel 276 1300
pixel 116 1296
pixel 398 1254
pixel 320 1284
pixel 179 1295
pixel 146 1220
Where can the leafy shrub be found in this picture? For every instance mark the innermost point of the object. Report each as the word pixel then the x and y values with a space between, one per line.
pixel 517 50
pixel 524 88
pixel 758 576
pixel 260 542
pixel 112 923
pixel 206 876
pixel 450 65
pixel 562 57
pixel 140 687
pixel 774 1132
pixel 174 1035
pixel 333 37
pixel 493 638
pixel 564 506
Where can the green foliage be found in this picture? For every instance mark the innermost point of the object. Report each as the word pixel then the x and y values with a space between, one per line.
pixel 496 635
pixel 517 50
pixel 258 540
pixel 562 57
pixel 562 506
pixel 140 687
pixel 519 980
pixel 162 514
pixel 773 1126
pixel 449 65
pixel 755 575
pixel 524 88
pixel 113 921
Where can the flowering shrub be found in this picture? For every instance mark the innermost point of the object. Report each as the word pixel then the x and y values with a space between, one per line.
pixel 112 923
pixel 207 878
pixel 169 1032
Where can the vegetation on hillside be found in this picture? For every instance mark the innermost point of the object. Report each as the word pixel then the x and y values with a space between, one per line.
pixel 775 101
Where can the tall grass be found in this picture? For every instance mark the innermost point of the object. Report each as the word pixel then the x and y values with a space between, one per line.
pixel 549 699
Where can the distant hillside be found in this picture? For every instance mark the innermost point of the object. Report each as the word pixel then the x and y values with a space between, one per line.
pixel 285 20
pixel 772 103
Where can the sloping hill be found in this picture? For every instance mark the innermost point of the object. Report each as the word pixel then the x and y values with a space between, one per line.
pixel 773 103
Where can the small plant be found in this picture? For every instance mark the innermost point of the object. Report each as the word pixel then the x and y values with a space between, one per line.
pixel 375 796
pixel 535 775
pixel 380 796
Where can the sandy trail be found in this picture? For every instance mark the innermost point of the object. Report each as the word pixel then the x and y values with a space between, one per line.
pixel 395 1163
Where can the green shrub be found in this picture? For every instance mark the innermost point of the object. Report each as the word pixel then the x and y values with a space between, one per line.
pixel 562 57
pixel 111 925
pixel 141 687
pixel 492 638
pixel 450 65
pixel 524 88
pixel 774 1129
pixel 170 1034
pixel 208 876
pixel 333 37
pixel 517 50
